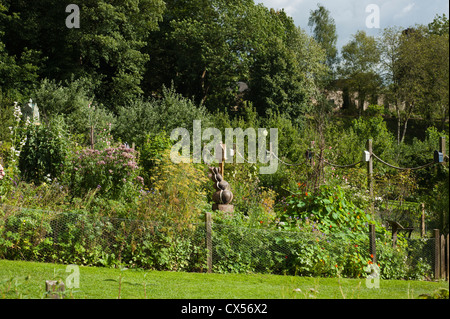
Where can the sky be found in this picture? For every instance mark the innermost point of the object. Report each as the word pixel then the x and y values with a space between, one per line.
pixel 351 16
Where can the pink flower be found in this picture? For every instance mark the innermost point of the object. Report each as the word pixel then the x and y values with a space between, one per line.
pixel 2 172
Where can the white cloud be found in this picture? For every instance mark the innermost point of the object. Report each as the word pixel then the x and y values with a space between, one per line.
pixel 408 7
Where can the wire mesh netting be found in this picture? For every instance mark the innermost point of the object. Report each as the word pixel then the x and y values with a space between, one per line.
pixel 240 249
pixel 87 239
pixel 82 238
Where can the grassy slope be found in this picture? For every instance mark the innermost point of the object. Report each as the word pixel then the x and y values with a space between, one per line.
pixel 104 283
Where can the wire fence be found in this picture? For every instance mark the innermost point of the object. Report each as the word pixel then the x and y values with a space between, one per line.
pixel 85 239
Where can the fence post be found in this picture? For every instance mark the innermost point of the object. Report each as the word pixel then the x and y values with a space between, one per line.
pixel 208 242
pixel 443 273
pixel 437 253
pixel 372 245
pixel 370 175
pixel 447 257
pixel 422 222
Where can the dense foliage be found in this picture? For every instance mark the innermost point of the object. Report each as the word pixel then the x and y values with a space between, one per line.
pixel 111 92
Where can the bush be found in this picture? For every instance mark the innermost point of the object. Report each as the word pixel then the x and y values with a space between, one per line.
pixel 56 98
pixel 153 116
pixel 113 171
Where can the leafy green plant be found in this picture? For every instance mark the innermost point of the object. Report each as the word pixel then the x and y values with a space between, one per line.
pixel 327 211
pixel 43 156
pixel 151 153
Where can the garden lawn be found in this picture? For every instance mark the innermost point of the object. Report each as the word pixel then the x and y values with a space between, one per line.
pixel 21 279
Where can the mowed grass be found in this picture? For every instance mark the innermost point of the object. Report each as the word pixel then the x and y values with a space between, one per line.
pixel 21 279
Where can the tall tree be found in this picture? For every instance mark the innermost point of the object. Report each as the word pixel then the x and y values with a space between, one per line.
pixel 415 70
pixel 360 59
pixel 389 46
pixel 324 32
pixel 283 77
pixel 423 74
pixel 110 45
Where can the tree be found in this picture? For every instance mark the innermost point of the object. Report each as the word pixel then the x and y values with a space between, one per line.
pixel 205 47
pixel 389 46
pixel 439 25
pixel 107 48
pixel 17 71
pixel 415 70
pixel 324 32
pixel 360 59
pixel 423 75
pixel 286 68
pixel 202 48
pixel 110 48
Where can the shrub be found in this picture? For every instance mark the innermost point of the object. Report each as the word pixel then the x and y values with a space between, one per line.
pixel 172 110
pixel 114 172
pixel 56 98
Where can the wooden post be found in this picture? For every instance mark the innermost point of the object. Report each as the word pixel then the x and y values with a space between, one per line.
pixel 222 162
pixel 442 244
pixel 370 176
pixel 209 242
pixel 437 254
pixel 442 150
pixel 422 221
pixel 372 245
pixel 447 257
